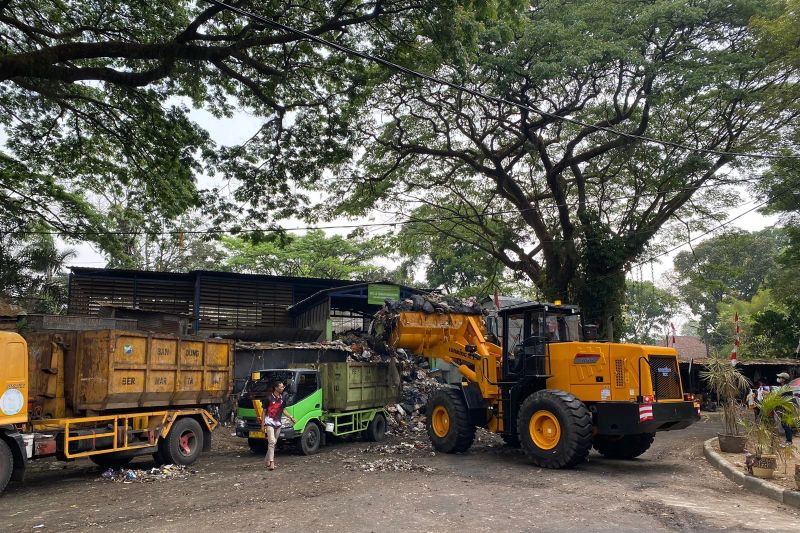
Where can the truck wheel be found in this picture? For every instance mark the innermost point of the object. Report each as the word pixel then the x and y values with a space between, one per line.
pixel 258 446
pixel 110 460
pixel 623 447
pixel 6 464
pixel 184 442
pixel 448 423
pixel 310 439
pixel 555 429
pixel 376 430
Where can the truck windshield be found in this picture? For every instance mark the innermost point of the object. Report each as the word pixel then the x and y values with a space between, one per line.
pixel 262 384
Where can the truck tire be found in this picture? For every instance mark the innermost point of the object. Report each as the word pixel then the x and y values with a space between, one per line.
pixel 555 429
pixel 110 460
pixel 6 465
pixel 310 439
pixel 184 443
pixel 376 430
pixel 623 447
pixel 448 423
pixel 258 446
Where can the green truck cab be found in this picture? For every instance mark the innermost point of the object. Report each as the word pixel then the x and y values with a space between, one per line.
pixel 334 398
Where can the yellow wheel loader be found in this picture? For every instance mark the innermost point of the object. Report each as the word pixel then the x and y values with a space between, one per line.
pixel 545 388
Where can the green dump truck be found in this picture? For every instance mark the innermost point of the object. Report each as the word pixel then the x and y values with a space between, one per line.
pixel 339 399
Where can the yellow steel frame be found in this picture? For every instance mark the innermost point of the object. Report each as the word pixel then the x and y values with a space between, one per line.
pixel 155 423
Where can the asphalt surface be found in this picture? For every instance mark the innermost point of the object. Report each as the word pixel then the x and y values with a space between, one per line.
pixel 670 488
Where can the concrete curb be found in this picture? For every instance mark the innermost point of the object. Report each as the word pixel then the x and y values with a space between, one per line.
pixel 753 484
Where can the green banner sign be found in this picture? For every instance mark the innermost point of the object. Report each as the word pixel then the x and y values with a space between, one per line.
pixel 376 294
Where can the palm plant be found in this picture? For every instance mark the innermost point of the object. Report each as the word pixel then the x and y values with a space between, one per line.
pixel 728 383
pixel 778 403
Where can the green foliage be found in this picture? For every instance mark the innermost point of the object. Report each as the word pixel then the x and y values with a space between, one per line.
pixel 569 206
pixel 728 383
pixel 777 403
pixel 98 136
pixel 32 272
pixel 729 267
pixel 647 312
pixel 310 255
pixel 179 246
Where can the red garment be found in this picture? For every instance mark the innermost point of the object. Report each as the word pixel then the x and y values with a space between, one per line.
pixel 274 411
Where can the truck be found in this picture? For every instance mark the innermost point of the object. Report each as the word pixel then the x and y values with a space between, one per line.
pixel 109 396
pixel 549 387
pixel 337 398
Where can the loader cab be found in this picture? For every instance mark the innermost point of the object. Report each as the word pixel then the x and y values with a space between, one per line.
pixel 527 329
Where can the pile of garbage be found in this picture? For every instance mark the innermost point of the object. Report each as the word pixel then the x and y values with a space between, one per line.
pixel 161 473
pixel 435 303
pixel 387 464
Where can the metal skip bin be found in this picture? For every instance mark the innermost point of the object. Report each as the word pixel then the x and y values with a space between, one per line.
pixel 124 370
pixel 350 386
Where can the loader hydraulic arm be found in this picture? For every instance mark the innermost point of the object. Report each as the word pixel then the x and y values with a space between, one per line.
pixel 455 338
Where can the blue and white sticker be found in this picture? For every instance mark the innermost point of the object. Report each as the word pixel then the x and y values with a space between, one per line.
pixel 127 349
pixel 11 402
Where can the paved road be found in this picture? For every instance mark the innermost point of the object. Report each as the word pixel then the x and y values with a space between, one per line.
pixel 670 488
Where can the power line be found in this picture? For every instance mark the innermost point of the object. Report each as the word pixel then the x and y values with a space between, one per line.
pixel 495 99
pixel 361 225
pixel 712 230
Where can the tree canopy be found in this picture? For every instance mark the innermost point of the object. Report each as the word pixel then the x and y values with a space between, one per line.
pixel 572 204
pixel 95 96
pixel 311 255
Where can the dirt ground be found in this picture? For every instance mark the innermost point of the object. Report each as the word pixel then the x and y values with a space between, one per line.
pixel 401 485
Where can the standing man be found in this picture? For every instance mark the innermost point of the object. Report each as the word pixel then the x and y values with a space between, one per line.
pixel 783 379
pixel 273 414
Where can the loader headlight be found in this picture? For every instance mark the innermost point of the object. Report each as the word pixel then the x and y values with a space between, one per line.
pixel 240 423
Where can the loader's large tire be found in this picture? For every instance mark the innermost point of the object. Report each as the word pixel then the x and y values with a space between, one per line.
pixel 555 429
pixel 448 422
pixel 627 447
pixel 6 464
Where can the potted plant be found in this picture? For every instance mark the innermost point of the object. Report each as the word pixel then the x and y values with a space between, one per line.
pixel 728 384
pixel 776 407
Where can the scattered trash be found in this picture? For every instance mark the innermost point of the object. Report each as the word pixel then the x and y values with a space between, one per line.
pixel 387 464
pixel 127 475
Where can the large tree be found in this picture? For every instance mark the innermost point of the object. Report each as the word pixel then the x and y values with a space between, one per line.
pixel 648 311
pixel 572 205
pixel 729 266
pixel 95 97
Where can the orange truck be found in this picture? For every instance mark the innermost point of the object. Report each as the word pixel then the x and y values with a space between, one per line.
pixel 109 396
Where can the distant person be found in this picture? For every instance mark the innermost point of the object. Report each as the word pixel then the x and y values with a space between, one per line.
pixel 752 403
pixel 274 405
pixel 783 379
pixel 763 390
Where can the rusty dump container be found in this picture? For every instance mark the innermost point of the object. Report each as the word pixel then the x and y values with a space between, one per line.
pixel 123 370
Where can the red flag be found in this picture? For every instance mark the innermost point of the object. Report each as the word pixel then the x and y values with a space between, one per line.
pixel 496 299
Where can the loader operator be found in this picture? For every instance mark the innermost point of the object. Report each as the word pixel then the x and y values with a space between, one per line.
pixel 274 405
